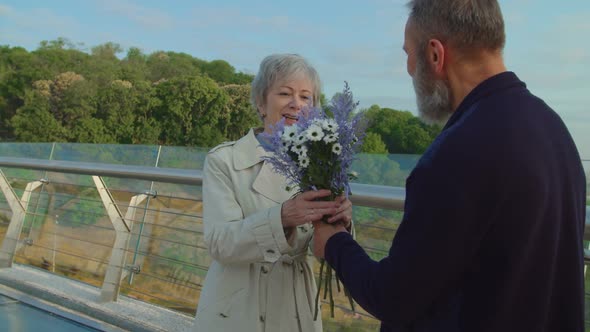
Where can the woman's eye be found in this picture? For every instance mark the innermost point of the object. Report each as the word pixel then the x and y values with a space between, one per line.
pixel 306 97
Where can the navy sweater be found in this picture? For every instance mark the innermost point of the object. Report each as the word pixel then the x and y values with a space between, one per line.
pixel 491 238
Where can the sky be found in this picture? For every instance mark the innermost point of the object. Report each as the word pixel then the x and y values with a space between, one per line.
pixel 359 42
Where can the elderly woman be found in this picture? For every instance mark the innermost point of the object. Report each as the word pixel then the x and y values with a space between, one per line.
pixel 256 231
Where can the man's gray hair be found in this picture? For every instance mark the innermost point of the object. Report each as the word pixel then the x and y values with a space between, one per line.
pixel 278 68
pixel 467 25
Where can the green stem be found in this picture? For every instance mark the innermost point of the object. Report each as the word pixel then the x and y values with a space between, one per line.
pixel 317 295
pixel 331 295
pixel 327 281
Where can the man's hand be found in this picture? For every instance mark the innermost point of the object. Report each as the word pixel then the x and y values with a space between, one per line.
pixel 322 232
pixel 343 214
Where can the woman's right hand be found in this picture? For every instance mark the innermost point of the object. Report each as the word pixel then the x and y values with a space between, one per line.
pixel 305 208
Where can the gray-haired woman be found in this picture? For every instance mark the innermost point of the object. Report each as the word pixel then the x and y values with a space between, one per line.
pixel 258 233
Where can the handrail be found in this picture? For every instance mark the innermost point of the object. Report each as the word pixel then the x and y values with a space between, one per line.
pixel 158 174
pixel 375 196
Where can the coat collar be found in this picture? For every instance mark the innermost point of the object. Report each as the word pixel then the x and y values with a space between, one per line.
pixel 267 182
pixel 242 151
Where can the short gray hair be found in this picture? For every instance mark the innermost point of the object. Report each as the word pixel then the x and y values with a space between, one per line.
pixel 466 24
pixel 279 67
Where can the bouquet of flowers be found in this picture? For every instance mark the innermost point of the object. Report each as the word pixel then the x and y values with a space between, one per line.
pixel 316 153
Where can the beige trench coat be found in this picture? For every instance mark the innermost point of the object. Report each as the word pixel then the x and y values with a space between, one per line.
pixel 260 278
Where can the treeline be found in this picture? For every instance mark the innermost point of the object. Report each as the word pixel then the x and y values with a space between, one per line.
pixel 59 93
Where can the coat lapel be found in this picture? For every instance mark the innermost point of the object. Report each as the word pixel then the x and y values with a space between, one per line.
pixel 268 183
pixel 271 185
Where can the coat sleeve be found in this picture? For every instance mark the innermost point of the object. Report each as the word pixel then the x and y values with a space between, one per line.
pixel 229 236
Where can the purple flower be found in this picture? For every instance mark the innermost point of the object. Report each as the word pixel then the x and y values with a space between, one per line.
pixel 330 140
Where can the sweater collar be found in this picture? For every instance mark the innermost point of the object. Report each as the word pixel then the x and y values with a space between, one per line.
pixel 492 85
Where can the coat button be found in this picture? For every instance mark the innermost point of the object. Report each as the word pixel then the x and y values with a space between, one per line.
pixel 261 318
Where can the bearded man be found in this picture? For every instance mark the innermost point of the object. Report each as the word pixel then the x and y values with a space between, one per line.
pixel 492 233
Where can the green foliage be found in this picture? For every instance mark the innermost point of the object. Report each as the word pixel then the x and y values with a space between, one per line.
pixel 84 212
pixel 242 115
pixel 379 169
pixel 401 131
pixel 35 123
pixel 167 65
pixel 219 70
pixel 61 93
pixel 372 143
pixel 193 111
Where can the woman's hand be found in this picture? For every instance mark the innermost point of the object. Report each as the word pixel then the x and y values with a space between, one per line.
pixel 343 213
pixel 305 208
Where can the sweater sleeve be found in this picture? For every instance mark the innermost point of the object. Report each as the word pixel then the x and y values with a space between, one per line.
pixel 444 220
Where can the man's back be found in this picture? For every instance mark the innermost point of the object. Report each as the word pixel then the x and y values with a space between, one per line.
pixel 519 219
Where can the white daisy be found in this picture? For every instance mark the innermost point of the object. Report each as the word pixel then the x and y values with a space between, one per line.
pixel 314 133
pixel 330 125
pixel 318 122
pixel 329 138
pixel 286 145
pixel 297 148
pixel 300 139
pixel 337 148
pixel 304 162
pixel 303 152
pixel 290 133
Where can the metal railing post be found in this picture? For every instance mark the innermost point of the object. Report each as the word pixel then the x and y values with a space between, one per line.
pixel 19 212
pixel 112 279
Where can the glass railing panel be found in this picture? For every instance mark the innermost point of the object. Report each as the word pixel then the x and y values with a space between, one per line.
pixel 167 245
pixel 182 157
pixel 26 150
pixel 68 230
pixel 381 169
pixel 69 233
pixel 142 155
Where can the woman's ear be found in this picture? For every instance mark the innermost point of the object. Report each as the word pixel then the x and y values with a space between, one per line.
pixel 261 111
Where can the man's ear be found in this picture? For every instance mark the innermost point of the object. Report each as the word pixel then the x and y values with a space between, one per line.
pixel 436 56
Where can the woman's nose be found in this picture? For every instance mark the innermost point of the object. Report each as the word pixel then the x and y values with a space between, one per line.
pixel 296 103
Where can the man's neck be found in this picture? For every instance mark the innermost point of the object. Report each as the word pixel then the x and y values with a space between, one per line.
pixel 464 74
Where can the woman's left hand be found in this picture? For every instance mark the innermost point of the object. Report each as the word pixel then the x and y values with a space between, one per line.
pixel 343 213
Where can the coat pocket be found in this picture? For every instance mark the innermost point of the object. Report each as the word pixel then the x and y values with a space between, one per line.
pixel 223 307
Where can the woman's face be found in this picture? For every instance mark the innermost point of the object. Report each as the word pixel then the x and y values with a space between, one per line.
pixel 285 99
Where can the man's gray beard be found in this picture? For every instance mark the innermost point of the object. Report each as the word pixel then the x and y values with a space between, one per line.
pixel 432 96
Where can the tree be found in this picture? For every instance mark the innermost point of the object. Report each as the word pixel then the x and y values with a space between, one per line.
pixel 35 123
pixel 127 112
pixel 18 71
pixel 220 71
pixel 372 143
pixel 116 107
pixel 134 66
pixel 401 131
pixel 103 66
pixel 242 115
pixel 192 111
pixel 167 65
